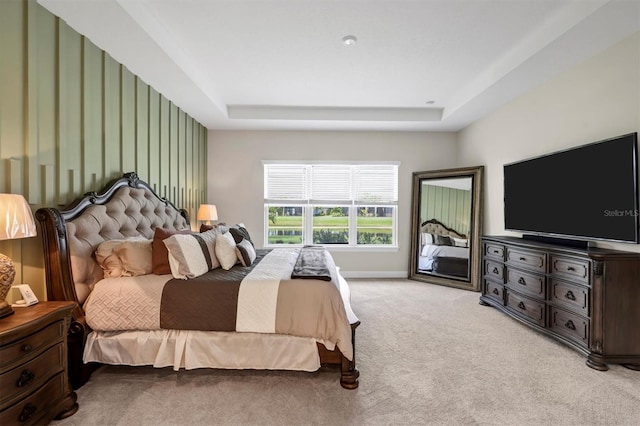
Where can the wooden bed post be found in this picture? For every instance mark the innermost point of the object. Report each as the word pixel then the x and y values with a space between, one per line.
pixel 349 373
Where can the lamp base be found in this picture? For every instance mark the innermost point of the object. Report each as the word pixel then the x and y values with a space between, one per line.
pixel 7 273
pixel 5 309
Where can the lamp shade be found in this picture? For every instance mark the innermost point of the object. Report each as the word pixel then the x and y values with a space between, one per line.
pixel 16 219
pixel 207 212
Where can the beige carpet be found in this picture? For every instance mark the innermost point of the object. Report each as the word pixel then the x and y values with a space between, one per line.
pixel 427 355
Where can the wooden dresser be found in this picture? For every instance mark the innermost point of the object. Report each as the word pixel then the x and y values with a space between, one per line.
pixel 588 299
pixel 33 365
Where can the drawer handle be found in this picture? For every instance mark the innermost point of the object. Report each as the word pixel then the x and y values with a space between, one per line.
pixel 495 291
pixel 496 252
pixel 27 412
pixel 27 348
pixel 521 306
pixel 522 281
pixel 495 270
pixel 570 295
pixel 26 377
pixel 523 259
pixel 571 269
pixel 570 325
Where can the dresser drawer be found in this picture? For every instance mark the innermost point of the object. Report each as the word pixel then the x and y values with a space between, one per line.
pixel 528 308
pixel 530 284
pixel 14 352
pixel 32 408
pixel 493 250
pixel 23 379
pixel 572 296
pixel 494 270
pixel 494 291
pixel 573 269
pixel 570 325
pixel 531 260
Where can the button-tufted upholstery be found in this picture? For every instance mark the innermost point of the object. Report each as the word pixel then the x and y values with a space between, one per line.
pixel 434 228
pixel 131 212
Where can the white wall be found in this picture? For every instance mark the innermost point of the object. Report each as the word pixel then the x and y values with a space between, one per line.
pixel 235 178
pixel 595 100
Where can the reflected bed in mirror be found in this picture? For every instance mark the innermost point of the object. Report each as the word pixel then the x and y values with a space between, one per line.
pixel 446 227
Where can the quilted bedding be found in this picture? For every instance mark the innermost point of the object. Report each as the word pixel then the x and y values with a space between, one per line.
pixel 262 298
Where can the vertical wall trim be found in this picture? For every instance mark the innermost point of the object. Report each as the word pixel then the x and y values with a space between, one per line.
pixel 74 118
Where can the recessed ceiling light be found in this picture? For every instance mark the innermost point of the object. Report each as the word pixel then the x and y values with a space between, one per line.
pixel 349 40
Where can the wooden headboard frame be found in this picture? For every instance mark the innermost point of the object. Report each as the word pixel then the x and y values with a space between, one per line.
pixel 53 223
pixel 441 228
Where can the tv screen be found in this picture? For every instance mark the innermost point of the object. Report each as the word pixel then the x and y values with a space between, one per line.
pixel 585 193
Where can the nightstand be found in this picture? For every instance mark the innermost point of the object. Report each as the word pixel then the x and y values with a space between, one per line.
pixel 34 385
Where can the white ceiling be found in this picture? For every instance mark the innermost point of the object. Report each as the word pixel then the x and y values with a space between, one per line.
pixel 280 64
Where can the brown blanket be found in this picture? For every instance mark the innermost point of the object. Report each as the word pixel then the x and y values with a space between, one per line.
pixel 208 302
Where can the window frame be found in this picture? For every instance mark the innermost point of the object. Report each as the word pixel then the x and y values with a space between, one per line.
pixel 308 205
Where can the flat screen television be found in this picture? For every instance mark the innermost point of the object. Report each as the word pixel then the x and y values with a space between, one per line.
pixel 587 193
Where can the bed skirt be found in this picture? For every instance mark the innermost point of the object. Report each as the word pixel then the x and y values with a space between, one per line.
pixel 190 349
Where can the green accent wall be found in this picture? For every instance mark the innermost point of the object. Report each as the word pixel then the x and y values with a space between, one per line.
pixel 450 206
pixel 72 119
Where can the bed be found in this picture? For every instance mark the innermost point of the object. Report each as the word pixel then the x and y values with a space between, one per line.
pixel 443 250
pixel 279 309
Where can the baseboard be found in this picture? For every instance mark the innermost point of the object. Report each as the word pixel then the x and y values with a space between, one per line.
pixel 374 274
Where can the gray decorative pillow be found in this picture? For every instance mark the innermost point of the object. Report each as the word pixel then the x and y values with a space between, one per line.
pixel 443 240
pixel 239 233
pixel 246 252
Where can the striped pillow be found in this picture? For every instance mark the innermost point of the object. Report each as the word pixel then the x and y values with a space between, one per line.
pixel 191 255
pixel 246 253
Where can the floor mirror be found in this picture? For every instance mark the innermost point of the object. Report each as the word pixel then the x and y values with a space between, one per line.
pixel 446 227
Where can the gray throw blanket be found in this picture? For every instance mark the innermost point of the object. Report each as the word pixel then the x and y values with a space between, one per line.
pixel 312 264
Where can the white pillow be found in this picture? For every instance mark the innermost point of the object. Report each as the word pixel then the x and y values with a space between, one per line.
pixel 427 238
pixel 460 242
pixel 191 255
pixel 226 251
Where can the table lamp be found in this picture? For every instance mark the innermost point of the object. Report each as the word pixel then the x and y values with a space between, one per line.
pixel 207 212
pixel 16 221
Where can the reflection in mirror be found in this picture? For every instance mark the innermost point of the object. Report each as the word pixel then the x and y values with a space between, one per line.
pixel 446 227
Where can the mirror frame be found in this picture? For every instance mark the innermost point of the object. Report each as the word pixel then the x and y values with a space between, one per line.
pixel 476 174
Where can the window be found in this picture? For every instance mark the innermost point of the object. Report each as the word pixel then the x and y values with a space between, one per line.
pixel 350 205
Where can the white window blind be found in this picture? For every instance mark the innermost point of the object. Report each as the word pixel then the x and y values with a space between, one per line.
pixel 360 183
pixel 285 182
pixel 376 184
pixel 330 182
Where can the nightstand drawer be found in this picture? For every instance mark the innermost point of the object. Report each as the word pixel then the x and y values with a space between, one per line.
pixel 572 296
pixel 571 268
pixel 22 380
pixel 570 325
pixel 31 409
pixel 20 350
pixel 530 284
pixel 530 260
pixel 532 310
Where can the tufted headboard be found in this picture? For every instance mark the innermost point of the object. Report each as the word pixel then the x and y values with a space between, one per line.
pixel 126 207
pixel 434 226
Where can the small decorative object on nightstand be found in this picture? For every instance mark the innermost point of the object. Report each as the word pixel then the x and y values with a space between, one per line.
pixel 33 365
pixel 16 221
